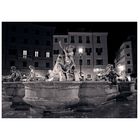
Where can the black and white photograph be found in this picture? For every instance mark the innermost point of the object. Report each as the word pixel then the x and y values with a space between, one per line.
pixel 69 69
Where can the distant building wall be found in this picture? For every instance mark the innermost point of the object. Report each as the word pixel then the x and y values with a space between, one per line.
pixel 124 60
pixel 25 44
pixel 95 53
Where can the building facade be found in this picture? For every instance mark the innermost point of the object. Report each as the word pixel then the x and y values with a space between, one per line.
pixel 95 54
pixel 124 60
pixel 25 44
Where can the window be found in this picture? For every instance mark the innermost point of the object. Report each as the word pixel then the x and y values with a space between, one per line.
pixel 128 54
pixel 24 64
pixel 56 52
pixel 65 40
pixel 88 51
pixel 127 46
pixel 48 43
pixel 128 62
pixel 80 62
pixel 12 63
pixel 88 61
pixel 37 32
pixel 72 39
pixel 25 41
pixel 13 39
pixel 36 64
pixel 56 40
pixel 99 62
pixel 99 51
pixel 98 39
pixel 47 54
pixel 37 42
pixel 87 39
pixel 80 39
pixel 12 52
pixel 25 30
pixel 129 70
pixel 36 53
pixel 25 54
pixel 47 65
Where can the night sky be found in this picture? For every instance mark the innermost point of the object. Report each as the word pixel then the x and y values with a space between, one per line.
pixel 118 32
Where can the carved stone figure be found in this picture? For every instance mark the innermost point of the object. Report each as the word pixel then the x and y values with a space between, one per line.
pixel 32 75
pixel 15 75
pixel 69 64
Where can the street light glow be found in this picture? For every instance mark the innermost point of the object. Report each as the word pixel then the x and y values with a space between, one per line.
pixel 121 68
pixel 80 50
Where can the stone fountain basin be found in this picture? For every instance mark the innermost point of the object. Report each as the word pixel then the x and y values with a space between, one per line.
pixel 13 89
pixel 51 95
pixel 56 94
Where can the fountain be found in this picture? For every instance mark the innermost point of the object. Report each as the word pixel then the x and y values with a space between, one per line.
pixel 60 90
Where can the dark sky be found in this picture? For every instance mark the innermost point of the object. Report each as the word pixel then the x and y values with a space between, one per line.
pixel 117 31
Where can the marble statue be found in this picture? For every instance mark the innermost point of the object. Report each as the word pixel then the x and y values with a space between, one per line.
pixel 32 75
pixel 14 76
pixel 69 64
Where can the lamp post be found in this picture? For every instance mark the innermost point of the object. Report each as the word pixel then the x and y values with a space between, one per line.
pixel 80 53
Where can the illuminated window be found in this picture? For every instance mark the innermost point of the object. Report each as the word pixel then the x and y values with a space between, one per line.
pixel 36 53
pixel 25 54
pixel 47 54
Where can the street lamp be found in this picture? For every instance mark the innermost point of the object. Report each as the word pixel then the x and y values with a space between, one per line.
pixel 80 53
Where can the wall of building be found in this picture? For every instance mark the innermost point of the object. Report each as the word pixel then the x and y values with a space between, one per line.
pixel 93 50
pixel 26 36
pixel 124 60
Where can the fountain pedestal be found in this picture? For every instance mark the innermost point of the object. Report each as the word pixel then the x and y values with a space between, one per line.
pixel 51 95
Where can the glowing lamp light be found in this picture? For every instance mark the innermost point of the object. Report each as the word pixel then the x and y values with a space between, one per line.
pixel 121 68
pixel 129 78
pixel 80 50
